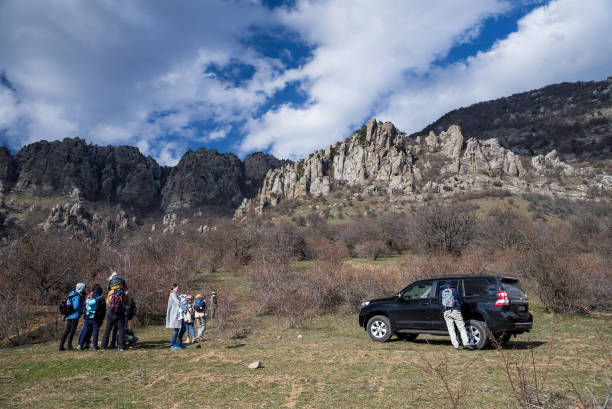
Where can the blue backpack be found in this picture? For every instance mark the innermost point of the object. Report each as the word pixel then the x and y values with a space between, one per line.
pixel 91 307
pixel 448 298
pixel 199 305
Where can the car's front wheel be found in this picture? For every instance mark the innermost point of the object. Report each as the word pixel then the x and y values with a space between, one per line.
pixel 478 334
pixel 379 328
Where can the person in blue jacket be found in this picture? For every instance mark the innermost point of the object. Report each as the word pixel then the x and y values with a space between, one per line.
pixel 72 320
pixel 451 301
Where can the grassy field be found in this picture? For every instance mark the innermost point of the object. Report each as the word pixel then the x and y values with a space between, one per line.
pixel 333 365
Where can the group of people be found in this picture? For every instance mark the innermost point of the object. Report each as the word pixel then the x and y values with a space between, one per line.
pixel 117 307
pixel 184 312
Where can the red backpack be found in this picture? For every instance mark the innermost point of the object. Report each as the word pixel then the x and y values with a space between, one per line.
pixel 116 302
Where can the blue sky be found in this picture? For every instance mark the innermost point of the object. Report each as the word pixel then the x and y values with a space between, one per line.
pixel 284 77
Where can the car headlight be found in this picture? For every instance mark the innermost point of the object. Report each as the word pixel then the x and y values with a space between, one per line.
pixel 364 303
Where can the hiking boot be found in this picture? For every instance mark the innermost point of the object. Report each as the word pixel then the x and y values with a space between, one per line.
pixel 456 348
pixel 96 348
pixel 469 347
pixel 61 348
pixel 80 347
pixel 102 349
pixel 69 348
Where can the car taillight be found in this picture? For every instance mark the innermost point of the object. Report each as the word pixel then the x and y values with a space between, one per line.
pixel 502 299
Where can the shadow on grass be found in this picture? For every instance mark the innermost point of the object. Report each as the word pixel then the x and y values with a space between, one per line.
pixel 517 345
pixel 235 346
pixel 152 344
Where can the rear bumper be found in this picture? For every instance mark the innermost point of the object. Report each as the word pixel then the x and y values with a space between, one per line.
pixel 509 322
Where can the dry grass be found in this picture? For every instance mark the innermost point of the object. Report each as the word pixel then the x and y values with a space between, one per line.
pixel 334 364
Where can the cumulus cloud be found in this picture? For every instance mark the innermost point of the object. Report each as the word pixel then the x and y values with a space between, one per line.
pixel 565 40
pixel 363 50
pixel 106 70
pixel 171 76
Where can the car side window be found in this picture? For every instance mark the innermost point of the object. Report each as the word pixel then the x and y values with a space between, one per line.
pixel 418 291
pixel 476 286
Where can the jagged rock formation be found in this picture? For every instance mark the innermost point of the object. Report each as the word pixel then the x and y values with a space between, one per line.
pixel 204 177
pixel 256 166
pixel 207 177
pixel 72 217
pixel 71 167
pixel 123 175
pixel 379 157
pixel 573 118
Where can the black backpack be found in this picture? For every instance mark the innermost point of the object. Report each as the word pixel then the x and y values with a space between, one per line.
pixel 66 308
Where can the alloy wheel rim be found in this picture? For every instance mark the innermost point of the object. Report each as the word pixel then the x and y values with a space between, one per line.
pixel 378 329
pixel 473 335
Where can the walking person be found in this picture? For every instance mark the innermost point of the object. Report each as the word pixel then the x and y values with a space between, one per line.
pixel 73 309
pixel 213 306
pixel 199 312
pixel 172 318
pixel 95 311
pixel 451 302
pixel 118 299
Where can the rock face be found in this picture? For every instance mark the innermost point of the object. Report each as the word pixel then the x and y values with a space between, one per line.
pixel 123 175
pixel 380 158
pixel 71 167
pixel 573 118
pixel 204 177
pixel 256 166
pixel 72 217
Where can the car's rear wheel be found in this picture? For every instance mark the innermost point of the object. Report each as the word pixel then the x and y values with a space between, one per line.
pixel 379 328
pixel 478 334
pixel 407 337
pixel 502 339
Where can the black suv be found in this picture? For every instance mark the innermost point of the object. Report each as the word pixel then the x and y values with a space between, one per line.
pixel 492 306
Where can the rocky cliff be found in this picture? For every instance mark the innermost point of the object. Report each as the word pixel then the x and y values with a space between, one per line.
pixel 123 175
pixel 378 157
pixel 72 167
pixel 575 119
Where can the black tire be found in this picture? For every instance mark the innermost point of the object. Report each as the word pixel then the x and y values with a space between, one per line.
pixel 478 334
pixel 406 337
pixel 379 328
pixel 502 338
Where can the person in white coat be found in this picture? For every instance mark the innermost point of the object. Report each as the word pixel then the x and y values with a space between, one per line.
pixel 172 318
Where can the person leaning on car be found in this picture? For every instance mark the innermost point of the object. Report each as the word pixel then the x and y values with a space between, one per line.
pixel 452 316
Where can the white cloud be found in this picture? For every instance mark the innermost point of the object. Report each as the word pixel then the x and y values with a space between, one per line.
pixel 567 40
pixel 99 70
pixel 362 52
pixel 117 72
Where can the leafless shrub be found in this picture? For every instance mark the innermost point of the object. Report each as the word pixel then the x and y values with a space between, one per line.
pixel 228 317
pixel 438 369
pixel 445 228
pixel 559 274
pixel 503 228
pixel 371 249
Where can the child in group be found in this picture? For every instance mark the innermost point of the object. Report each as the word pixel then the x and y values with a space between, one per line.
pixel 199 308
pixel 189 318
pixel 186 316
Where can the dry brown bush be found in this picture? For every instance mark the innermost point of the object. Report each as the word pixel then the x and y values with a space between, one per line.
pixel 446 228
pixel 561 277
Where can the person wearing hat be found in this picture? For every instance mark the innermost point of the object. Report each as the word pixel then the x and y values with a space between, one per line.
pixel 213 305
pixel 72 320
